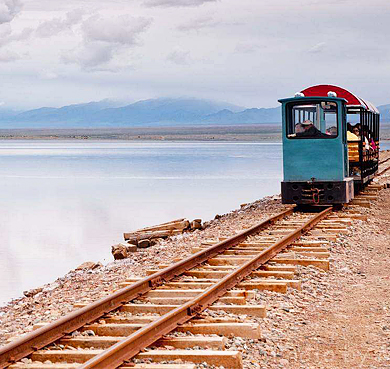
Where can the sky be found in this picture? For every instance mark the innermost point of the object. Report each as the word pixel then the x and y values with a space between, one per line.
pixel 245 52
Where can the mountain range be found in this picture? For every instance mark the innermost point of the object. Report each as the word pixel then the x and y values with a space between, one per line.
pixel 152 113
pixel 147 113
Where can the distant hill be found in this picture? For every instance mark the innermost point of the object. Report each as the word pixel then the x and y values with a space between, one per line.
pixel 153 112
pixel 71 115
pixel 247 116
pixel 7 113
pixel 161 112
pixel 385 112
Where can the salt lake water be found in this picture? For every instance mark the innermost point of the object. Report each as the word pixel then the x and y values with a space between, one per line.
pixel 66 202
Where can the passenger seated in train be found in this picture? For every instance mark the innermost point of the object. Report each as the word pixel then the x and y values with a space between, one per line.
pixel 310 130
pixel 299 128
pixel 369 143
pixel 352 136
pixel 373 144
pixel 356 131
pixel 332 131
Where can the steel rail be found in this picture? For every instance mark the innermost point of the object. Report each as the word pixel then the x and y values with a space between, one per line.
pixel 126 349
pixel 384 161
pixel 383 171
pixel 43 336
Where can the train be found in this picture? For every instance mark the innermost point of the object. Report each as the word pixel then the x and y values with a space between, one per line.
pixel 330 145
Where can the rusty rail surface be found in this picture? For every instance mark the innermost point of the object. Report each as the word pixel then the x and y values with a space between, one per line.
pixel 384 170
pixel 384 161
pixel 51 332
pixel 126 349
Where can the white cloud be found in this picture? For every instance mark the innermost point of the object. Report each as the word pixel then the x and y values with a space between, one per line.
pixel 91 55
pixel 57 25
pixel 317 48
pixel 122 30
pixel 179 57
pixel 7 35
pixel 5 31
pixel 75 16
pixel 9 9
pixel 198 23
pixel 103 38
pixel 7 56
pixel 246 47
pixel 177 3
pixel 47 74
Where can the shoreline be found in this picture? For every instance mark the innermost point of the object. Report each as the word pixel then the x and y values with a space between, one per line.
pixel 234 133
pixel 235 139
pixel 143 139
pixel 179 133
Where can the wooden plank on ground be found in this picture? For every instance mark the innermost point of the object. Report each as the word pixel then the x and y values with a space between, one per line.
pixel 220 274
pixel 244 330
pixel 309 243
pixel 251 310
pixel 227 359
pixel 103 342
pixel 266 273
pixel 308 249
pixel 322 264
pixel 194 292
pixel 261 284
pixel 268 286
pixel 70 356
pixel 182 300
pixel 247 330
pixel 254 310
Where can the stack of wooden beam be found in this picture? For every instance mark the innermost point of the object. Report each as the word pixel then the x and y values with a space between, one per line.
pixel 163 230
pixel 149 236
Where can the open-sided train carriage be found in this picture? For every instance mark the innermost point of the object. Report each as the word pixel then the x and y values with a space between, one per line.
pixel 320 164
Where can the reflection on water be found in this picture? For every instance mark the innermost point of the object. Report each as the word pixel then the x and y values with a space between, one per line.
pixel 64 202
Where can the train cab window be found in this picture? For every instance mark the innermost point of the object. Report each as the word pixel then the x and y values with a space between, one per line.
pixel 312 120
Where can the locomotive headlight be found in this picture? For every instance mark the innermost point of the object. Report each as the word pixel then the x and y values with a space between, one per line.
pixel 332 94
pixel 299 94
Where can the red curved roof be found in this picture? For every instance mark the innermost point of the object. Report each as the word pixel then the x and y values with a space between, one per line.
pixel 322 90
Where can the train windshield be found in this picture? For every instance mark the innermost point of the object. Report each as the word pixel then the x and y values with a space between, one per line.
pixel 312 120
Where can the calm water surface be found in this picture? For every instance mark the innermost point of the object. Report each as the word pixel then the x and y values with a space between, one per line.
pixel 63 203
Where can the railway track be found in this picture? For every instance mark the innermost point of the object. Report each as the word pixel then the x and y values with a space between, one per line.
pixel 382 171
pixel 195 303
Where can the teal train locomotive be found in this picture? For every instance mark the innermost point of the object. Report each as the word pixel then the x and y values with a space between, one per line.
pixel 330 145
